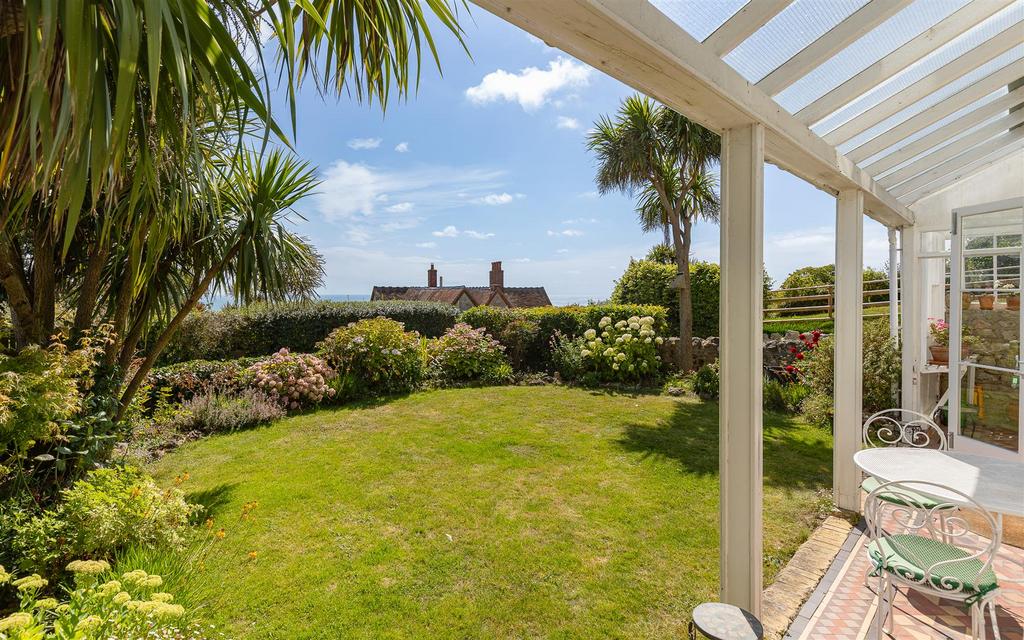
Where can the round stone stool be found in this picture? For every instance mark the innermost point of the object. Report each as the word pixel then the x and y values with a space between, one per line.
pixel 719 621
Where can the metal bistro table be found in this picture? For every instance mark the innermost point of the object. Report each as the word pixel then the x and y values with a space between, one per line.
pixel 995 483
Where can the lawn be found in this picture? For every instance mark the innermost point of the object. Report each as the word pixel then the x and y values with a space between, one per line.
pixel 484 513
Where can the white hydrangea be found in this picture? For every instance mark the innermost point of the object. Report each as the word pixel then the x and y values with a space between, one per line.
pixel 585 353
pixel 659 340
pixel 590 334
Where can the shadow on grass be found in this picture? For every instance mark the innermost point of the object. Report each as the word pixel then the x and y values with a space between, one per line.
pixel 211 500
pixel 793 455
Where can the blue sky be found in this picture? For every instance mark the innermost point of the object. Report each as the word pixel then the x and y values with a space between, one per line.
pixel 488 162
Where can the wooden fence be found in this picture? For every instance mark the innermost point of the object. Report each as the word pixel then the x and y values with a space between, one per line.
pixel 817 302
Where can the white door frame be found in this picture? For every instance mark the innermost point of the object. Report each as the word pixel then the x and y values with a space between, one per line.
pixel 956 327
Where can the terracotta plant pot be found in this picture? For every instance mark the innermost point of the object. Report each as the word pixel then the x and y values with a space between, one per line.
pixel 987 302
pixel 966 298
pixel 940 354
pixel 1013 302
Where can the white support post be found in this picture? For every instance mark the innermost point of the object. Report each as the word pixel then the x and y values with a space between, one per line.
pixel 848 372
pixel 894 286
pixel 739 456
pixel 910 276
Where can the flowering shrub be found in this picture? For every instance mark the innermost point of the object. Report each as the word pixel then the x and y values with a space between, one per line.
pixel 295 380
pixel 131 606
pixel 374 357
pixel 464 353
pixel 706 381
pixel 216 412
pixel 621 351
pixel 105 512
pixel 809 343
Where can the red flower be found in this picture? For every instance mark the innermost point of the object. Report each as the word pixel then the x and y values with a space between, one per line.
pixel 799 356
pixel 790 368
pixel 816 333
pixel 792 349
pixel 802 336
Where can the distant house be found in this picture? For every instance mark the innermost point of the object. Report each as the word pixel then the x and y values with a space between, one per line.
pixel 463 297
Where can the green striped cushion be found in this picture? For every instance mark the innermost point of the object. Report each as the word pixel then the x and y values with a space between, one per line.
pixel 920 500
pixel 910 556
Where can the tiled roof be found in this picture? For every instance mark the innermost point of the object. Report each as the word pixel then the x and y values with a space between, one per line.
pixel 514 296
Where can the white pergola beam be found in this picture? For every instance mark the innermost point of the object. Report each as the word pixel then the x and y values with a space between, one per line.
pixel 848 369
pixel 739 407
pixel 910 328
pixel 953 149
pixel 959 162
pixel 947 131
pixel 952 26
pixel 743 24
pixel 965 171
pixel 637 44
pixel 838 38
pixel 944 75
pixel 966 96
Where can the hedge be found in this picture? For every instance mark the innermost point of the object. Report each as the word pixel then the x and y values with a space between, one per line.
pixel 572 321
pixel 262 329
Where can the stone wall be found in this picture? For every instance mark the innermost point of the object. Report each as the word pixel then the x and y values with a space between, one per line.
pixel 998 332
pixel 705 350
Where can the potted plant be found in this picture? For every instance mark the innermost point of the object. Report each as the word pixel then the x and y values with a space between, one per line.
pixel 987 301
pixel 965 300
pixel 1012 295
pixel 939 349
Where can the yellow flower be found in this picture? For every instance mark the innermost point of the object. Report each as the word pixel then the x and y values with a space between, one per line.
pixel 4 576
pixel 161 597
pixel 135 577
pixel 18 620
pixel 30 583
pixel 209 523
pixel 107 588
pixel 122 597
pixel 220 534
pixel 89 623
pixel 90 567
pixel 151 582
pixel 47 603
pixel 252 555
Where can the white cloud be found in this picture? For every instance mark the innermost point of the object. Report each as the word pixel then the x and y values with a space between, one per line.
pixel 402 147
pixel 562 251
pixel 580 221
pixel 359 235
pixel 589 194
pixel 401 207
pixel 451 231
pixel 361 144
pixel 565 122
pixel 569 233
pixel 495 199
pixel 354 191
pixel 426 245
pixel 531 87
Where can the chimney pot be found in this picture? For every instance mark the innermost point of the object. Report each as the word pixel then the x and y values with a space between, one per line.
pixel 431 276
pixel 497 276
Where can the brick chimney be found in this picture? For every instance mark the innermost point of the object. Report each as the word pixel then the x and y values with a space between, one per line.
pixel 497 276
pixel 431 276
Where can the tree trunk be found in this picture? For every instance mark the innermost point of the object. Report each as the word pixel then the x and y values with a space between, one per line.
pixel 88 292
pixel 44 281
pixel 12 276
pixel 682 243
pixel 172 327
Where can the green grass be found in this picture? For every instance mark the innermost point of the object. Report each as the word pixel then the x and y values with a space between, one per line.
pixel 485 513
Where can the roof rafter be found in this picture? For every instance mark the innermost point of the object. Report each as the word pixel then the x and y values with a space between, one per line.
pixel 966 171
pixel 838 38
pixel 967 17
pixel 949 166
pixel 953 149
pixel 949 72
pixel 966 96
pixel 743 24
pixel 946 131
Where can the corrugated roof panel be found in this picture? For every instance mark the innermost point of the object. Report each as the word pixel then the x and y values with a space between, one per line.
pixel 699 18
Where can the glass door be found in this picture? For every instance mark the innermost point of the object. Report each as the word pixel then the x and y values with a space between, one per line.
pixel 985 361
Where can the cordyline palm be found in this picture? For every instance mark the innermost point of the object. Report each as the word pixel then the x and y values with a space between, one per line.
pixel 108 108
pixel 649 151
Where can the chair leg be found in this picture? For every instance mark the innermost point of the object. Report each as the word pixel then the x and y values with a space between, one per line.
pixel 891 596
pixel 880 608
pixel 977 622
pixel 995 621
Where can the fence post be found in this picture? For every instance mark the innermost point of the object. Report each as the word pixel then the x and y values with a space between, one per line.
pixel 831 298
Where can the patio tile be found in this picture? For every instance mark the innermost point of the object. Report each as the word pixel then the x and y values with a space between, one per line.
pixel 846 607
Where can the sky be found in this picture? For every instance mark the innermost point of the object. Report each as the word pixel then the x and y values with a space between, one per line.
pixel 487 161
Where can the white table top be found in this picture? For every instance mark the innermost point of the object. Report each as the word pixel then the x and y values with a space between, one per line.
pixel 996 484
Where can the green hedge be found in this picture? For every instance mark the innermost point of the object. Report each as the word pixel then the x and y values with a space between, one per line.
pixel 262 329
pixel 650 282
pixel 571 321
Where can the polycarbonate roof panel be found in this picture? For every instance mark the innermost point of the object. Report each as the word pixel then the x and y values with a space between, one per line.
pixel 942 145
pixel 699 18
pixel 785 35
pixel 937 125
pixel 933 61
pixel 995 64
pixel 913 20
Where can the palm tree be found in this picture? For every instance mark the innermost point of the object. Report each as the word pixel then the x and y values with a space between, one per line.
pixel 651 152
